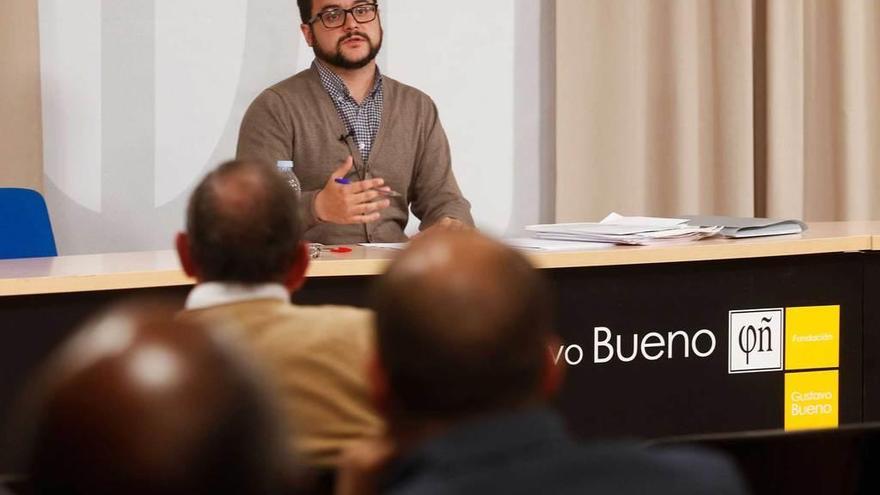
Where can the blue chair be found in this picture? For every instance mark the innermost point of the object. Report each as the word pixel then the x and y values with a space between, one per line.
pixel 25 229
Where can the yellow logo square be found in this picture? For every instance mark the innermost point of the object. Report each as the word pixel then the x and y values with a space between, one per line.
pixel 811 400
pixel 812 337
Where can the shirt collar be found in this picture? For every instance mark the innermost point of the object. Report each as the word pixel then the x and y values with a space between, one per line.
pixel 216 293
pixel 336 86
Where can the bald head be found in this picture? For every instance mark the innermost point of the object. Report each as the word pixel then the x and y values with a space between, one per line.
pixel 139 403
pixel 243 224
pixel 463 323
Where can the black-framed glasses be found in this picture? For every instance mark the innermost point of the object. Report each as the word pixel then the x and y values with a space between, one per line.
pixel 335 17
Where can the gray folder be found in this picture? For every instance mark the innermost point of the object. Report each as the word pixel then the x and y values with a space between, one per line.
pixel 738 228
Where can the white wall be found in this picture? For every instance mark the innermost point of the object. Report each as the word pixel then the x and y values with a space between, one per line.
pixel 141 98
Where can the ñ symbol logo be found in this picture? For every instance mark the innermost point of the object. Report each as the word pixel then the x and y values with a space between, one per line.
pixel 751 338
pixel 755 340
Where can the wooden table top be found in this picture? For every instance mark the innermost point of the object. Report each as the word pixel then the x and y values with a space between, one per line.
pixel 161 268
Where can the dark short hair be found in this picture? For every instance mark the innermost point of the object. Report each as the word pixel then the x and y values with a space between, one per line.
pixel 467 341
pixel 305 10
pixel 243 224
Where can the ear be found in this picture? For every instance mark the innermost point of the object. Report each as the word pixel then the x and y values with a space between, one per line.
pixel 308 34
pixel 296 274
pixel 380 388
pixel 181 242
pixel 554 374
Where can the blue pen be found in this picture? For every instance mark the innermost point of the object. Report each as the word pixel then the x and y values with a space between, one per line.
pixel 389 193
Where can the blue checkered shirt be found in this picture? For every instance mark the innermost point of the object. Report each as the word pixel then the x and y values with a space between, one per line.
pixel 362 121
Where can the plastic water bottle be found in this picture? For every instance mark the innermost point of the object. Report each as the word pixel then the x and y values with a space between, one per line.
pixel 286 169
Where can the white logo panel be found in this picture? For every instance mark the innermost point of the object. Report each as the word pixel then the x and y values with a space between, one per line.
pixel 756 340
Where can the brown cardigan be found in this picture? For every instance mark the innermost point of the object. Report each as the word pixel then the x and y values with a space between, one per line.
pixel 296 120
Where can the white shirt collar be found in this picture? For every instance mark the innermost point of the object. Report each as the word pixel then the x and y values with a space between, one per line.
pixel 210 294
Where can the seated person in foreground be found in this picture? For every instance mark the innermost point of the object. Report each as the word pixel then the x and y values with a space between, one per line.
pixel 464 376
pixel 243 246
pixel 138 403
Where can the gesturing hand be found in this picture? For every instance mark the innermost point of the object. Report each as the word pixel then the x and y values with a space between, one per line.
pixel 349 203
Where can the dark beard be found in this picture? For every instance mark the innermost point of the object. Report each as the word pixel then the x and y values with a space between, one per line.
pixel 336 58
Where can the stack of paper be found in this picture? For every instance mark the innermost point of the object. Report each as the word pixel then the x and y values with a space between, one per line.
pixel 617 229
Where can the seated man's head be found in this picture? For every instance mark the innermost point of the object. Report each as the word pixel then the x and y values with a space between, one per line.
pixel 464 325
pixel 243 226
pixel 140 403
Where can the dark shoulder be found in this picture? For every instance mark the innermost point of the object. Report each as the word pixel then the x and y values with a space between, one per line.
pixel 622 469
pixel 631 468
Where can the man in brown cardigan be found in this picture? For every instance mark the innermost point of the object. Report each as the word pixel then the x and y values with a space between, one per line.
pixel 386 135
pixel 243 246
